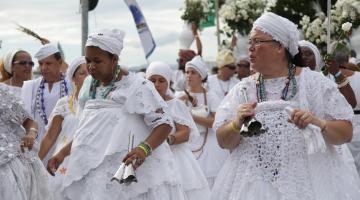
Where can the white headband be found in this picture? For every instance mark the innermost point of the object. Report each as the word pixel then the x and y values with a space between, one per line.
pixel 107 40
pixel 159 68
pixel 280 29
pixel 315 50
pixel 8 59
pixel 46 51
pixel 73 66
pixel 199 65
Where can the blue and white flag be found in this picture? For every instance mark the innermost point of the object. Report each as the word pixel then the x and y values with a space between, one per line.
pixel 146 38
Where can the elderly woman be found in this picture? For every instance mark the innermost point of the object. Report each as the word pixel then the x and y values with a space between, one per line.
pixel 63 122
pixel 22 175
pixel 203 105
pixel 115 105
pixel 17 68
pixel 192 178
pixel 303 116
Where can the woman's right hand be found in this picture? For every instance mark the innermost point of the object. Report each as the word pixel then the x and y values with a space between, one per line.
pixel 54 163
pixel 244 111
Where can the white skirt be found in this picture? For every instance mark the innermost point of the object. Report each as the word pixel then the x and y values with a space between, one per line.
pixel 193 179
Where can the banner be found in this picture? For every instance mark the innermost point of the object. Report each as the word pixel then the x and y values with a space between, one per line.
pixel 146 38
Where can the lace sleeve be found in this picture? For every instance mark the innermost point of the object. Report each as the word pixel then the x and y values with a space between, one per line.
pixel 213 101
pixel 227 109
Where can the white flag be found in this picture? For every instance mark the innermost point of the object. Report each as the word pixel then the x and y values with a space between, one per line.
pixel 146 38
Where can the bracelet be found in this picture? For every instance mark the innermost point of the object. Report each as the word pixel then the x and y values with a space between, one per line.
pixel 323 126
pixel 34 130
pixel 337 74
pixel 343 83
pixel 146 148
pixel 234 127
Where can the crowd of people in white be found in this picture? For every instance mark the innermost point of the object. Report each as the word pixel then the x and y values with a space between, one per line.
pixel 64 134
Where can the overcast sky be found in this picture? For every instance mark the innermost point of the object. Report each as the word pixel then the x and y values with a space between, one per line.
pixel 61 21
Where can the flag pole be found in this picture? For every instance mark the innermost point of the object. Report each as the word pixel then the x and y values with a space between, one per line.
pixel 217 23
pixel 84 24
pixel 328 38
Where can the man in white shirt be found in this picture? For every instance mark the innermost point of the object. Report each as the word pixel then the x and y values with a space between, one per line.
pixel 40 95
pixel 224 80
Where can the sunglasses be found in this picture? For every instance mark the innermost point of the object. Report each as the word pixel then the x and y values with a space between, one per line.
pixel 23 62
pixel 243 65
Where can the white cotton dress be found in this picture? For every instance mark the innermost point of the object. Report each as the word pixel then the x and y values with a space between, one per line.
pixel 193 179
pixel 22 175
pixel 101 142
pixel 211 157
pixel 68 128
pixel 276 165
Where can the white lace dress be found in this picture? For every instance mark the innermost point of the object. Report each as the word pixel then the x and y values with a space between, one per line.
pixel 101 142
pixel 68 128
pixel 22 175
pixel 354 146
pixel 205 148
pixel 193 179
pixel 276 165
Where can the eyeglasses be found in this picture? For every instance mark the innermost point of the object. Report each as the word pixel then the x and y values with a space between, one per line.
pixel 257 42
pixel 23 62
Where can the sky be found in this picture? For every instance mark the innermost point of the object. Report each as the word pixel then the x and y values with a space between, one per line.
pixel 60 21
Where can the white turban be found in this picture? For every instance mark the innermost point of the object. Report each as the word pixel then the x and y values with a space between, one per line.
pixel 46 51
pixel 315 50
pixel 107 40
pixel 8 59
pixel 280 29
pixel 159 68
pixel 199 65
pixel 74 65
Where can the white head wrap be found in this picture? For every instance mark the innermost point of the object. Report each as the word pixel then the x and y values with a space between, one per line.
pixel 46 51
pixel 74 65
pixel 107 40
pixel 159 68
pixel 8 59
pixel 315 50
pixel 280 29
pixel 199 65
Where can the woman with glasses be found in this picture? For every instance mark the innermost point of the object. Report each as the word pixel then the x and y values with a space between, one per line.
pixel 303 116
pixel 17 68
pixel 224 80
pixel 203 105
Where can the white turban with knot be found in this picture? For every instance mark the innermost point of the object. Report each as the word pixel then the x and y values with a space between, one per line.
pixel 199 65
pixel 159 68
pixel 110 40
pixel 46 51
pixel 315 50
pixel 8 59
pixel 73 66
pixel 280 29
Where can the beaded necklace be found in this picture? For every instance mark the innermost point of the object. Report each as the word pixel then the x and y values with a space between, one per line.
pixel 40 102
pixel 108 88
pixel 260 86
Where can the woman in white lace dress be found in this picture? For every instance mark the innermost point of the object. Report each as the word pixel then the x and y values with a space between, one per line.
pixel 22 175
pixel 63 123
pixel 115 104
pixel 17 68
pixel 193 179
pixel 294 158
pixel 203 105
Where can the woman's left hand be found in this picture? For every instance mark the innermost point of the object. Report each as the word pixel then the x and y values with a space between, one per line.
pixel 137 155
pixel 27 142
pixel 301 118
